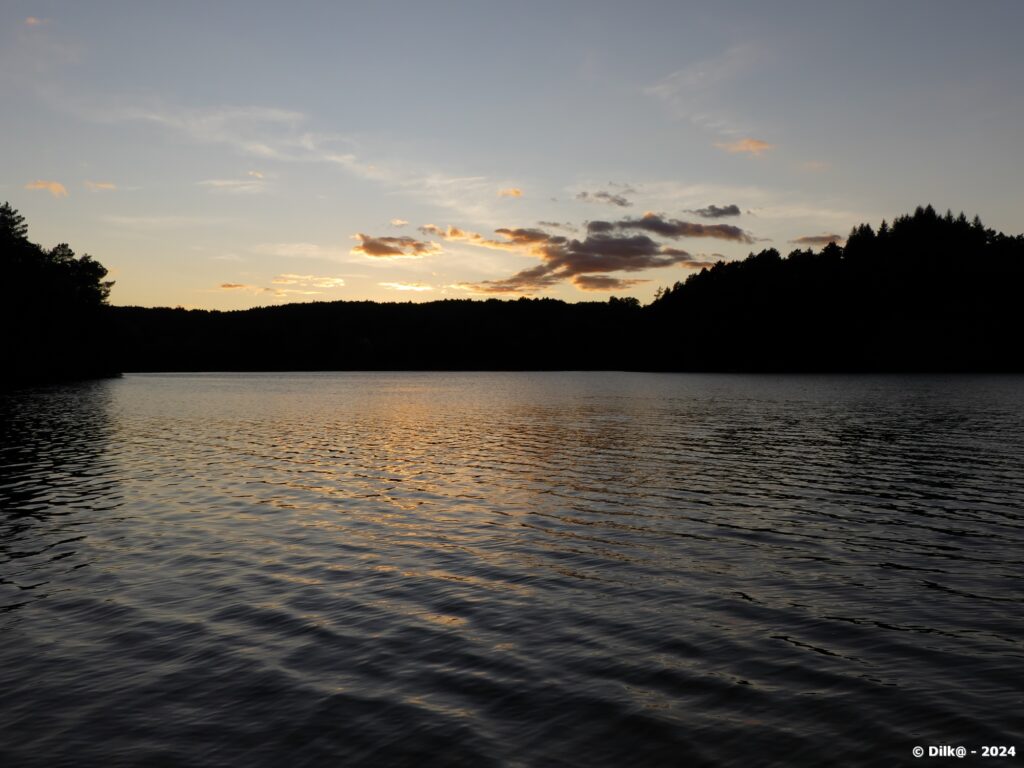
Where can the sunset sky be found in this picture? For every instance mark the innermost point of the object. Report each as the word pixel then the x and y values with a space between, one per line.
pixel 232 154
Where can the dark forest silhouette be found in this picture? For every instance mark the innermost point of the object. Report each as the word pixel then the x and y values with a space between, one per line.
pixel 53 313
pixel 926 293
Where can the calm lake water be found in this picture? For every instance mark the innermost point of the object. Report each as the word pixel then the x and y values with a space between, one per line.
pixel 510 569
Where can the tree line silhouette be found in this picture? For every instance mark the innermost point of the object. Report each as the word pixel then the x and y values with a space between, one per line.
pixel 54 315
pixel 926 293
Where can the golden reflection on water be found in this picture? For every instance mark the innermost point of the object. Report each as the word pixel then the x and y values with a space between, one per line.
pixel 580 558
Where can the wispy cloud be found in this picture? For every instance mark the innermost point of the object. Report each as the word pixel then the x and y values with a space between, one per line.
pixel 312 281
pixel 399 223
pixel 417 287
pixel 510 192
pixel 301 251
pixel 284 136
pixel 818 239
pixel 100 186
pixel 695 92
pixel 567 226
pixel 610 198
pixel 55 188
pixel 235 186
pixel 298 285
pixel 164 222
pixel 35 21
pixel 258 131
pixel 745 146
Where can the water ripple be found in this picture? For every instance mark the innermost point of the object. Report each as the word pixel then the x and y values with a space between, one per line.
pixel 509 569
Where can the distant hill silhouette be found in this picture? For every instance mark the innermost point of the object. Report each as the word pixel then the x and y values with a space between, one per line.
pixel 926 293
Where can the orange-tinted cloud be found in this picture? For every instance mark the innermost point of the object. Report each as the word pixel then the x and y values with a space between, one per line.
pixel 35 21
pixel 510 192
pixel 252 185
pixel 603 282
pixel 745 146
pixel 399 222
pixel 55 188
pixel 393 247
pixel 100 186
pixel 818 239
pixel 312 281
pixel 419 287
pixel 274 291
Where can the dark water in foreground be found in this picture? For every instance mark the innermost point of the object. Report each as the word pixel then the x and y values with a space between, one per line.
pixel 511 569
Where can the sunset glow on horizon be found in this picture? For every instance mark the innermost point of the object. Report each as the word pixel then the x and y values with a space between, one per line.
pixel 233 155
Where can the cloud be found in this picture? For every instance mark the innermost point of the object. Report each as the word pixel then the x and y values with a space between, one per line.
pixel 311 281
pixel 557 225
pixel 393 247
pixel 399 222
pixel 283 135
pixel 564 259
pixel 255 174
pixel 717 212
pixel 745 146
pixel 280 292
pixel 603 282
pixel 515 239
pixel 700 92
pixel 707 74
pixel 147 223
pixel 55 188
pixel 818 239
pixel 510 192
pixel 234 186
pixel 525 281
pixel 100 186
pixel 35 21
pixel 407 286
pixel 250 130
pixel 528 236
pixel 673 228
pixel 301 251
pixel 604 197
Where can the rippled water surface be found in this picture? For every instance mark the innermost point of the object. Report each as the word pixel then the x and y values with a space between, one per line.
pixel 579 569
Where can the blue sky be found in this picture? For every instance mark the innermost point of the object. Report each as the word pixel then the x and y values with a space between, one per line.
pixel 231 154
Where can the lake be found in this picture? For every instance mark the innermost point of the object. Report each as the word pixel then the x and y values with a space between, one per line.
pixel 510 569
